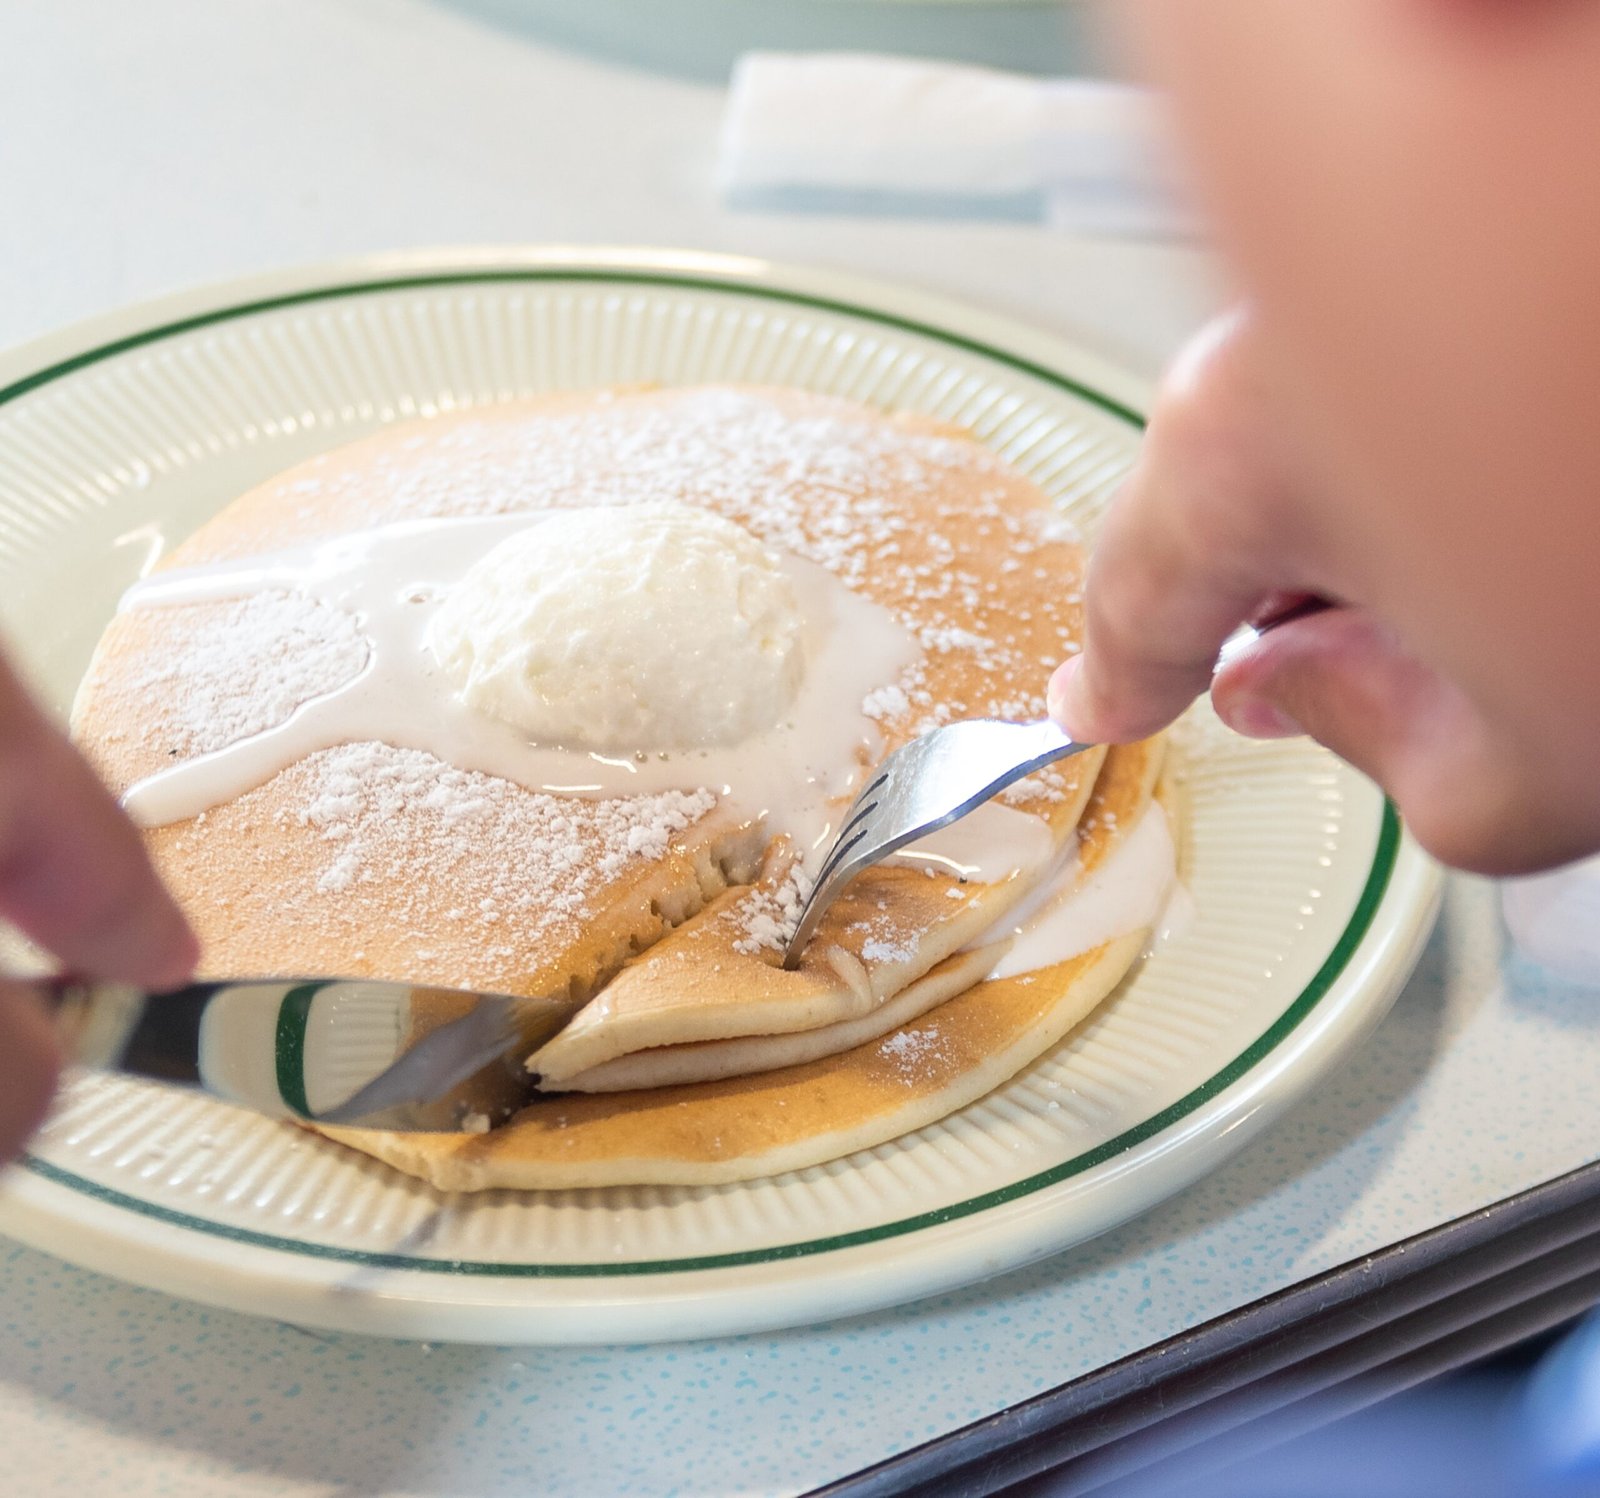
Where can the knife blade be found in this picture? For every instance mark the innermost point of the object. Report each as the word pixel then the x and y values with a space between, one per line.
pixel 352 1052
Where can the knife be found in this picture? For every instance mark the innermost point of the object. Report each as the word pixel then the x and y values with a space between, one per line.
pixel 353 1052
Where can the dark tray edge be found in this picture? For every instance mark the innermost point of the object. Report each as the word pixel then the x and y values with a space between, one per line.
pixel 1463 1289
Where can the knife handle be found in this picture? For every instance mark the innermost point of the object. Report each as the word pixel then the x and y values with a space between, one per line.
pixel 358 1052
pixel 117 1027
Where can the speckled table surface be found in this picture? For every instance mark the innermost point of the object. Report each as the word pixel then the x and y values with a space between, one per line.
pixel 145 148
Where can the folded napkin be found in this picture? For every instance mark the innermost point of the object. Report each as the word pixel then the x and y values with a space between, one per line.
pixel 859 133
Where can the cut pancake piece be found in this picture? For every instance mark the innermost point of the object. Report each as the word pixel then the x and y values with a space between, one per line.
pixel 706 1061
pixel 720 974
pixel 710 1133
pixel 739 1128
pixel 1123 790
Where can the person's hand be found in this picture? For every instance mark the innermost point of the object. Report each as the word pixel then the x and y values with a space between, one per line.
pixel 1224 518
pixel 1410 195
pixel 75 878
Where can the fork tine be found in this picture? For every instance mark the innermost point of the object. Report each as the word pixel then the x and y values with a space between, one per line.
pixel 857 820
pixel 812 911
pixel 837 856
pixel 877 784
pixel 851 853
pixel 855 817
pixel 855 831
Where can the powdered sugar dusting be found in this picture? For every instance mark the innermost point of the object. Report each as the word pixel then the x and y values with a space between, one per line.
pixel 876 949
pixel 243 667
pixel 911 1051
pixel 768 915
pixel 1043 787
pixel 886 702
pixel 530 858
pixel 948 637
pixel 810 475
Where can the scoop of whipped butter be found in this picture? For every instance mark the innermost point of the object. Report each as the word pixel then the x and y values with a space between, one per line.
pixel 639 628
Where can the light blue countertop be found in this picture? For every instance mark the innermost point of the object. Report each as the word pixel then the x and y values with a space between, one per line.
pixel 1478 1085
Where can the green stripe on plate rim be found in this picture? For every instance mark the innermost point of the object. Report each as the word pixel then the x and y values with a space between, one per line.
pixel 289 1054
pixel 1338 958
pixel 555 273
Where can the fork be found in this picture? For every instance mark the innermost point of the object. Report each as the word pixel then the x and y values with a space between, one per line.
pixel 927 784
pixel 943 774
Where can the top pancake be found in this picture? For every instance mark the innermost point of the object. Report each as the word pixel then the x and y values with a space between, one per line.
pixel 370 860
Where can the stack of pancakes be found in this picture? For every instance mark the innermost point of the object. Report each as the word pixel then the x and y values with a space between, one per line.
pixel 697 1057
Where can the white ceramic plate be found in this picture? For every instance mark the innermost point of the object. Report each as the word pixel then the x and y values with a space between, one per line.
pixel 119 437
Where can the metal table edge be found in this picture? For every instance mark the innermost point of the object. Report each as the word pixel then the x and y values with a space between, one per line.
pixel 1401 1287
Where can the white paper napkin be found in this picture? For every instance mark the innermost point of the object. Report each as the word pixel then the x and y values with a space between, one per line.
pixel 871 134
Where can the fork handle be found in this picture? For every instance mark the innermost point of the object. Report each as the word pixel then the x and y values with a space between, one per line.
pixel 1246 636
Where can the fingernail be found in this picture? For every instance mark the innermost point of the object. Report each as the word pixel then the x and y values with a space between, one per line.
pixel 1059 696
pixel 1257 718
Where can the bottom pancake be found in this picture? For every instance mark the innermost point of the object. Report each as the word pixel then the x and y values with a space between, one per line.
pixel 709 1133
pixel 741 1128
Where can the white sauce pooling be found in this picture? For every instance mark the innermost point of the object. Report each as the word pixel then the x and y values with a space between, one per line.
pixel 391 579
pixel 1132 890
pixel 991 843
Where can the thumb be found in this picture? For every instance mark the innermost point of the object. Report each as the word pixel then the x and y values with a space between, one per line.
pixel 1343 678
